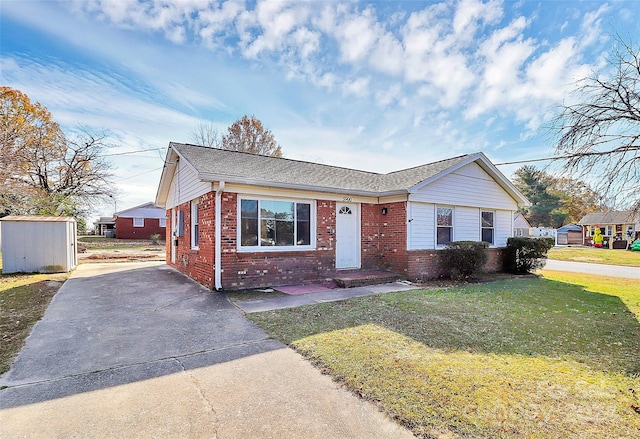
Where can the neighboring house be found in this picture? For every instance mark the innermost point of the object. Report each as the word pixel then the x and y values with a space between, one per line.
pixel 543 232
pixel 240 220
pixel 141 222
pixel 614 226
pixel 105 226
pixel 569 234
pixel 521 226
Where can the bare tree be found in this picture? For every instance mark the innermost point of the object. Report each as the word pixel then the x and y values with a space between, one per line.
pixel 599 137
pixel 248 135
pixel 45 171
pixel 206 134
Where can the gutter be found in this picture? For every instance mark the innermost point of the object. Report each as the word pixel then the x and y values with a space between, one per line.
pixel 218 238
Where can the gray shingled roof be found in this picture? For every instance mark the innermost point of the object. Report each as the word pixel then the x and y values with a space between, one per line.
pixel 619 217
pixel 218 162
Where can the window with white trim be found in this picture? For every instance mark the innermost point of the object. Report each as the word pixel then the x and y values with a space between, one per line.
pixel 138 222
pixel 275 224
pixel 444 225
pixel 195 226
pixel 487 226
pixel 162 222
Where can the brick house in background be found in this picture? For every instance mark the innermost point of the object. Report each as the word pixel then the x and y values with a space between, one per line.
pixel 238 220
pixel 141 222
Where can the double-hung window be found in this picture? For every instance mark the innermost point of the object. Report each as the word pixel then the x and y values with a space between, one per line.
pixel 275 224
pixel 487 226
pixel 195 224
pixel 138 222
pixel 162 222
pixel 444 225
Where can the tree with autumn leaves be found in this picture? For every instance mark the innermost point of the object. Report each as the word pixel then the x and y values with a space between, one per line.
pixel 44 171
pixel 555 201
pixel 244 135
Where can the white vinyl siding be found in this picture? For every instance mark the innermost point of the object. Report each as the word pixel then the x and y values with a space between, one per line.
pixel 185 186
pixel 421 228
pixel 468 186
pixel 421 231
pixel 502 226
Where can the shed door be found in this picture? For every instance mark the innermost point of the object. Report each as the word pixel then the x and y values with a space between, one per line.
pixel 347 236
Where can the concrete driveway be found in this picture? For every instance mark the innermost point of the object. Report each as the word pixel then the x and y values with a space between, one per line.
pixel 138 350
pixel 601 269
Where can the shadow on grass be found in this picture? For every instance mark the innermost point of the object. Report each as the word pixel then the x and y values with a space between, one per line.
pixel 532 317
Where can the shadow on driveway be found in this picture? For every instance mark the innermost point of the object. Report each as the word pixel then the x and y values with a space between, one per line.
pixel 113 324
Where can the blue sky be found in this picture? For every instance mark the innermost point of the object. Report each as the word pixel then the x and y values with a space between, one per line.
pixel 378 86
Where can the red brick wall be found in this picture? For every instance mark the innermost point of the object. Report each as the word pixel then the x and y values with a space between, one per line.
pixel 196 263
pixel 242 270
pixel 254 269
pixel 425 264
pixel 384 237
pixel 125 229
pixel 383 241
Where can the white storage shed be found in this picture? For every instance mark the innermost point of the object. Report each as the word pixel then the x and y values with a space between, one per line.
pixel 42 244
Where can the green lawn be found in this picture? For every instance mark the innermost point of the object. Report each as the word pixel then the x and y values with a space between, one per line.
pixel 596 255
pixel 526 357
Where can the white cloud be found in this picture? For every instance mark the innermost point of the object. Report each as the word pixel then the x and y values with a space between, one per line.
pixel 358 87
pixel 275 21
pixel 470 13
pixel 356 34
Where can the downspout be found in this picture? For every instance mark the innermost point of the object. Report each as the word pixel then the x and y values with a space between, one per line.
pixel 218 238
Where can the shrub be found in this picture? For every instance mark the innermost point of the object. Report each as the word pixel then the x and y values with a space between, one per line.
pixel 464 259
pixel 155 239
pixel 525 255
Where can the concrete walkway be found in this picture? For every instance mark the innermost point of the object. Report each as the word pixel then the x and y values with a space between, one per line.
pixel 138 350
pixel 268 304
pixel 586 267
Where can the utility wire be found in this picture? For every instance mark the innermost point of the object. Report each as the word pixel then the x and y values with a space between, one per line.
pixel 130 152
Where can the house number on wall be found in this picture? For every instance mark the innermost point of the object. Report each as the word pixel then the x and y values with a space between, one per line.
pixel 348 199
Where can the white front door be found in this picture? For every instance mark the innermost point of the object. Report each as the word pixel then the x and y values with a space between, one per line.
pixel 347 236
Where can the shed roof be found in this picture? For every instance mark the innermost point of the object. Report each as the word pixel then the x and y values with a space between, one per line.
pixel 31 218
pixel 570 228
pixel 213 164
pixel 611 217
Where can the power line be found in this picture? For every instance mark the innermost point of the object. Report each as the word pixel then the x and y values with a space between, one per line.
pixel 131 152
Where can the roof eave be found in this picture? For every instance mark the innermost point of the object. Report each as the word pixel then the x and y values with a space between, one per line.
pixel 168 170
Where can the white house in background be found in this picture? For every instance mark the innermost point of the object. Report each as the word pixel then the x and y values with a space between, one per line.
pixel 521 226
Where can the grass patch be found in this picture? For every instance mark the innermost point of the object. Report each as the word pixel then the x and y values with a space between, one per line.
pixel 23 301
pixel 246 295
pixel 627 290
pixel 595 255
pixel 102 243
pixel 488 395
pixel 525 357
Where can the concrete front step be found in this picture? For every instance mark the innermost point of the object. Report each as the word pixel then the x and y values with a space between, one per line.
pixel 360 278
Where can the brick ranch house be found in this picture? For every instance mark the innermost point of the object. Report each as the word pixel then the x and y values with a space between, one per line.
pixel 238 220
pixel 140 222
